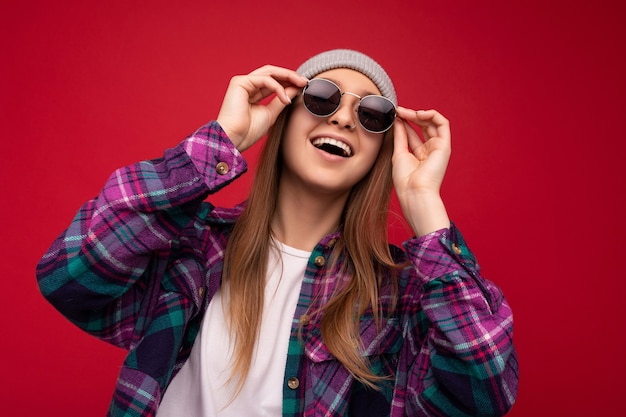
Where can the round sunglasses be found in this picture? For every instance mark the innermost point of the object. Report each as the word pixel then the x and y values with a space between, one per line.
pixel 322 98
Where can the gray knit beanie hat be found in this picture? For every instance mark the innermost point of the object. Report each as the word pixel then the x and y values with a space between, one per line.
pixel 347 58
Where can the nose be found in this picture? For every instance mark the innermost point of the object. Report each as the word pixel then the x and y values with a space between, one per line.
pixel 346 114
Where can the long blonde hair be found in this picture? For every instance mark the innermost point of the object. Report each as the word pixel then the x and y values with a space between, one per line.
pixel 363 248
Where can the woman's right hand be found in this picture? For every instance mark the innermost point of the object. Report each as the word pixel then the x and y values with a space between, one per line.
pixel 242 116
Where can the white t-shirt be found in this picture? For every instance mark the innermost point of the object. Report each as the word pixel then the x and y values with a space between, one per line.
pixel 200 389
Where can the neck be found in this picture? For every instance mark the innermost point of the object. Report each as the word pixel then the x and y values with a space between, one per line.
pixel 302 217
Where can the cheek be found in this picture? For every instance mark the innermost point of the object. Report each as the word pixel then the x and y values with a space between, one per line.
pixel 371 149
pixel 300 119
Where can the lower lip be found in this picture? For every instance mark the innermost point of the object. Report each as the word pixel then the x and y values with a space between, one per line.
pixel 329 156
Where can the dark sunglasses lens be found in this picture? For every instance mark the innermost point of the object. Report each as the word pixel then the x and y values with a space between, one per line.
pixel 321 97
pixel 376 114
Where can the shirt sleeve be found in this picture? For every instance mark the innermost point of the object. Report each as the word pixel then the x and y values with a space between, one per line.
pixel 97 271
pixel 466 364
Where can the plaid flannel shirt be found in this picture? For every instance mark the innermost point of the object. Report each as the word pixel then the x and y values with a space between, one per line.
pixel 139 264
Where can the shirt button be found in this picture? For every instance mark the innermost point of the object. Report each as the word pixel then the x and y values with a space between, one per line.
pixel 200 292
pixel 320 261
pixel 332 242
pixel 456 249
pixel 293 383
pixel 304 319
pixel 222 168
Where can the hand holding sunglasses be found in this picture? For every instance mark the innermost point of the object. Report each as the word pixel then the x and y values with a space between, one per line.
pixel 419 164
pixel 322 98
pixel 243 115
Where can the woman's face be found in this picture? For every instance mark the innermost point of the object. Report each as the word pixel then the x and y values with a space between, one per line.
pixel 331 154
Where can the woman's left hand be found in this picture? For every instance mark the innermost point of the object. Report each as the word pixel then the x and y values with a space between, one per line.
pixel 419 166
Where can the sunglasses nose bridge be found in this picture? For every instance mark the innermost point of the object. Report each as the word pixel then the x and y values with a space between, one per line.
pixel 351 94
pixel 346 112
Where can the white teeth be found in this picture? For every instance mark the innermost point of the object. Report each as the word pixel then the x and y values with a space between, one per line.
pixel 334 142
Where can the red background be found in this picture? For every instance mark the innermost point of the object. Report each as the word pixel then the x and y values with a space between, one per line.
pixel 534 91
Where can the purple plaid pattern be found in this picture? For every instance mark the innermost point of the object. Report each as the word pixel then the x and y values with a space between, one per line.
pixel 139 264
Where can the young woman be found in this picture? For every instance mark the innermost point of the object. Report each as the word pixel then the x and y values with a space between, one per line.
pixel 292 303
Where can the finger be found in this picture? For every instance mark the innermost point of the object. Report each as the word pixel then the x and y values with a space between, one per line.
pixel 431 122
pixel 285 76
pixel 409 115
pixel 436 123
pixel 262 86
pixel 275 106
pixel 414 140
pixel 405 116
pixel 269 80
pixel 422 117
pixel 400 138
pixel 292 91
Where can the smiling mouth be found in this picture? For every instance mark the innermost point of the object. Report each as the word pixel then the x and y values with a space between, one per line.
pixel 333 146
